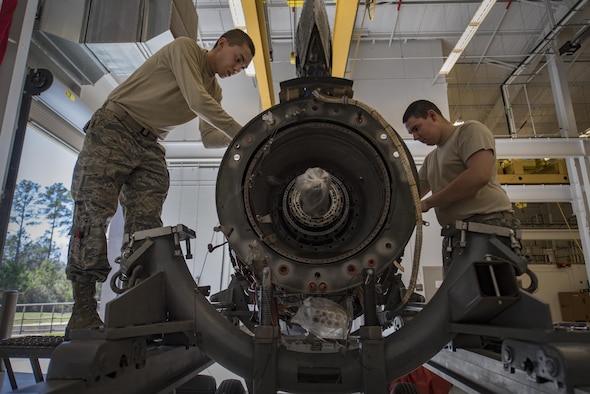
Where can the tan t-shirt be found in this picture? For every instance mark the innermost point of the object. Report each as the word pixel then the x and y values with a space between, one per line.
pixel 174 86
pixel 443 164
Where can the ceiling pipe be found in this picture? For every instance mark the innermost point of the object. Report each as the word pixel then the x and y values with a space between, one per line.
pixel 481 58
pixel 540 48
pixel 533 56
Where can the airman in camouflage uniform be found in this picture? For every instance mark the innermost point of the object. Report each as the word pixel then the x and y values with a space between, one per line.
pixel 122 160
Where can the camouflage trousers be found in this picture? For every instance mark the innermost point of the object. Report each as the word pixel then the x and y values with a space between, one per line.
pixel 116 163
pixel 502 219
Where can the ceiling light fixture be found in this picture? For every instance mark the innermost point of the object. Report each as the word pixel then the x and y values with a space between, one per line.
pixel 467 35
pixel 237 15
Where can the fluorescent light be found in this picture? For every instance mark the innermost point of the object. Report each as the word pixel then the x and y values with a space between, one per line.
pixel 465 38
pixel 237 15
pixel 450 62
pixel 470 30
pixel 483 10
pixel 250 71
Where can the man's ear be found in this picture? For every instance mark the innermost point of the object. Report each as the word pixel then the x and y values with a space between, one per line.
pixel 432 114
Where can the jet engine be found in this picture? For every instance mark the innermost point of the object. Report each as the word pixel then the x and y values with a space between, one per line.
pixel 318 198
pixel 320 192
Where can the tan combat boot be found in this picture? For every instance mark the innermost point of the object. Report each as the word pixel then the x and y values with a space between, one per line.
pixel 84 312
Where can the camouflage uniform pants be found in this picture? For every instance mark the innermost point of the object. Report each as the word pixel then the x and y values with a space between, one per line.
pixel 502 219
pixel 117 162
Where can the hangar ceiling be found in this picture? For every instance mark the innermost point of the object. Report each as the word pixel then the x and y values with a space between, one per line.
pixel 507 64
pixel 512 48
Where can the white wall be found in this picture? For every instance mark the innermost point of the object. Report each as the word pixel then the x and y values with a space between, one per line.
pixel 430 253
pixel 553 280
pixel 191 201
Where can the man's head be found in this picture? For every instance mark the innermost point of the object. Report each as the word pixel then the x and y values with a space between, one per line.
pixel 232 53
pixel 425 122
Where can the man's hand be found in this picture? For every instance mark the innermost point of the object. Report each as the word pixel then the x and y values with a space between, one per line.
pixel 477 174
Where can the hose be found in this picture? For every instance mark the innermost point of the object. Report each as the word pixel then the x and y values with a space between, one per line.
pixel 401 148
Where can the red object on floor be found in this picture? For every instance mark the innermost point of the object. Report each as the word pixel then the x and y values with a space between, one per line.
pixel 6 14
pixel 425 381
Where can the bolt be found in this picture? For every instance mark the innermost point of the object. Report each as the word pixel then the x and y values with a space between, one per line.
pixel 507 355
pixel 283 269
pixel 351 269
pixel 551 367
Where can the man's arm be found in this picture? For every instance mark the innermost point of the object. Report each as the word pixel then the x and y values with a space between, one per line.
pixel 207 106
pixel 212 137
pixel 477 174
pixel 424 188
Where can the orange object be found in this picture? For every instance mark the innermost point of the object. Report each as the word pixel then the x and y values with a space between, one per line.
pixel 6 14
pixel 426 382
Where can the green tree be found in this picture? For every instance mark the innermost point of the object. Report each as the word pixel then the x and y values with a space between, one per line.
pixel 48 283
pixel 48 249
pixel 56 207
pixel 32 266
pixel 24 212
pixel 13 276
pixel 30 252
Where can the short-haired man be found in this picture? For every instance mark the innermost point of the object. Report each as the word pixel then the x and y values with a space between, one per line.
pixel 461 172
pixel 122 160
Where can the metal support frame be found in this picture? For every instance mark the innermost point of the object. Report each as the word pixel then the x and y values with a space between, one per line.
pixel 36 82
pixel 480 372
pixel 188 329
pixel 265 360
pixel 148 342
pixel 13 77
pixel 578 168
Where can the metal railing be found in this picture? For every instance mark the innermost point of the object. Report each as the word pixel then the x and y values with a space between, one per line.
pixel 41 318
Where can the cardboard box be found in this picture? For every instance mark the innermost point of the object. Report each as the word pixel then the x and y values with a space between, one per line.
pixel 575 306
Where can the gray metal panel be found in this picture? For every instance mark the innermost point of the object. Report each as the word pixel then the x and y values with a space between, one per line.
pixel 108 35
pixel 54 14
pixel 113 21
pixel 46 119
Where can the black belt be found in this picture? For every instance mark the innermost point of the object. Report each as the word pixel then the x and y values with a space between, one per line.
pixel 487 216
pixel 116 108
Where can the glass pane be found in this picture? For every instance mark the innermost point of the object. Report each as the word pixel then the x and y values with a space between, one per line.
pixel 35 252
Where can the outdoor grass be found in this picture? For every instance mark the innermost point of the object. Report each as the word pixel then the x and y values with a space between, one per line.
pixel 40 317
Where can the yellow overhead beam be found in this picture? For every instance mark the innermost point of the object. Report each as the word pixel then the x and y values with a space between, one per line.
pixel 256 27
pixel 346 11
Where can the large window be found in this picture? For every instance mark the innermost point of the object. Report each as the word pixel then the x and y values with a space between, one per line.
pixel 35 251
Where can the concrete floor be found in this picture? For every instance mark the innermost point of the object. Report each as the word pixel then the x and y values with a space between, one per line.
pixel 23 373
